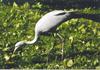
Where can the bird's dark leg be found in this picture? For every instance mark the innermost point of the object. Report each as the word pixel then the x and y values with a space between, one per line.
pixel 50 50
pixel 62 41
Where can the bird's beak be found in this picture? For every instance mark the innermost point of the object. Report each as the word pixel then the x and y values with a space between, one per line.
pixel 15 49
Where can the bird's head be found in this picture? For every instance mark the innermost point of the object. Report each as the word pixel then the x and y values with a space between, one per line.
pixel 19 44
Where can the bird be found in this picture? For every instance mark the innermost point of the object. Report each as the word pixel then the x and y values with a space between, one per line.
pixel 46 24
pixel 49 23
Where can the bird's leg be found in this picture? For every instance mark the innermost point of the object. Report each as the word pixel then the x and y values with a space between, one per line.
pixel 62 40
pixel 52 46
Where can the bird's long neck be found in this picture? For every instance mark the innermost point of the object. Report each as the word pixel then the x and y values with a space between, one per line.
pixel 94 17
pixel 34 40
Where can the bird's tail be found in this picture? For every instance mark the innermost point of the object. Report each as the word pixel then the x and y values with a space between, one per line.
pixel 77 14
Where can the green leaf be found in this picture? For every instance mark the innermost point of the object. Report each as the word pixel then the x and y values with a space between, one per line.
pixel 15 5
pixel 6 57
pixel 70 63
pixel 96 61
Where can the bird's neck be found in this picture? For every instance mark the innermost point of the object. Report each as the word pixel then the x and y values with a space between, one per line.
pixel 94 17
pixel 33 41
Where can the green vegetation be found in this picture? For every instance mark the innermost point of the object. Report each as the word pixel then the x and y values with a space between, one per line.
pixel 81 40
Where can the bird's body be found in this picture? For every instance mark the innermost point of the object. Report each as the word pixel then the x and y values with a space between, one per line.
pixel 49 22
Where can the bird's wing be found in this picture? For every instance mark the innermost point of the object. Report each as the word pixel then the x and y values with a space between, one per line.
pixel 60 13
pixel 57 12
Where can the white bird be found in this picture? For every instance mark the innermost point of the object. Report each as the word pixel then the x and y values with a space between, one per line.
pixel 49 22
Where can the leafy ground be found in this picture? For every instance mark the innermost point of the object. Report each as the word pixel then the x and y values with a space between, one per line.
pixel 81 41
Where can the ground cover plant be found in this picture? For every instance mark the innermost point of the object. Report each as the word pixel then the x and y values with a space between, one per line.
pixel 81 40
